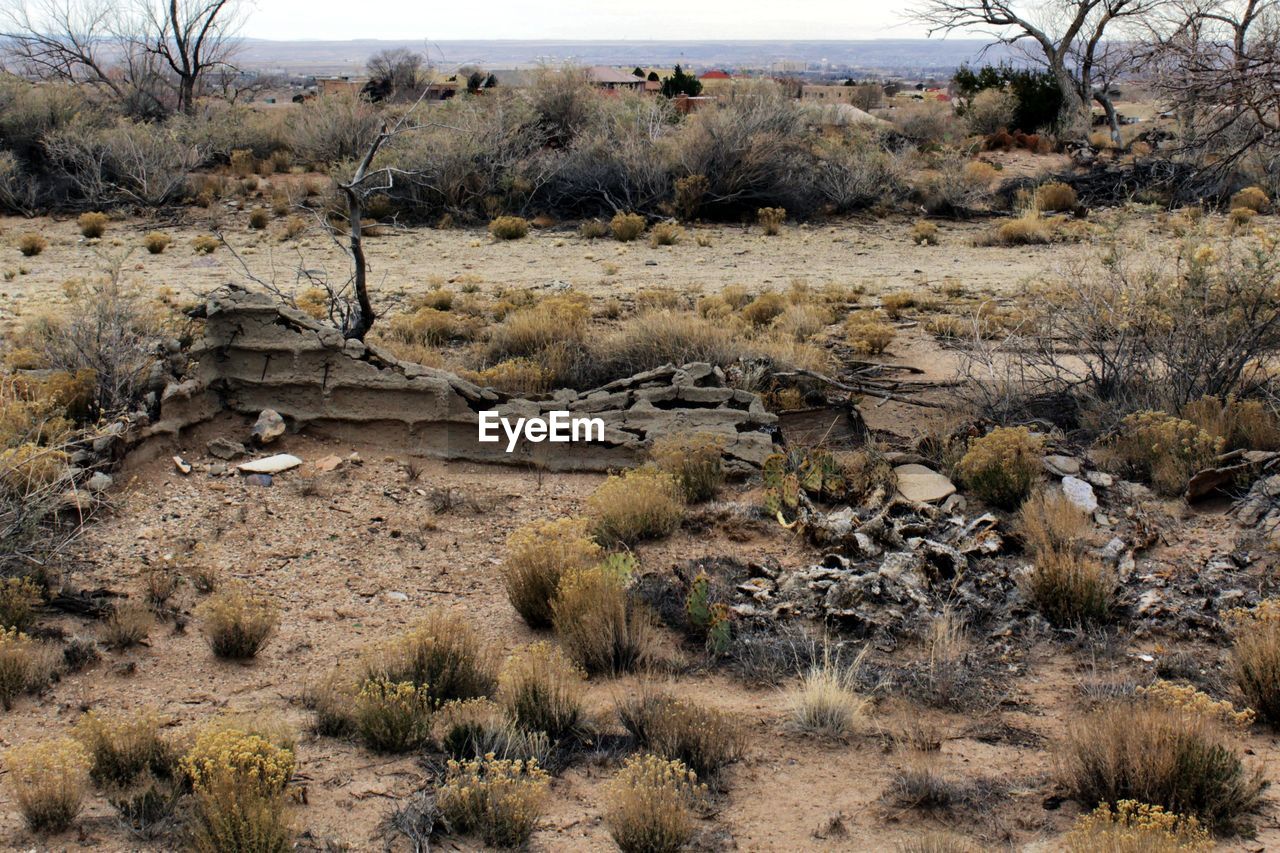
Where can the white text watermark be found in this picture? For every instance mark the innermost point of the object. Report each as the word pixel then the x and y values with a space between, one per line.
pixel 558 427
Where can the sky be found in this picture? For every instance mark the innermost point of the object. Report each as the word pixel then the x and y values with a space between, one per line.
pixel 579 19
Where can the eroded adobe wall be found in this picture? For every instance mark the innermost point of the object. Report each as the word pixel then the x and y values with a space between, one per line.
pixel 257 355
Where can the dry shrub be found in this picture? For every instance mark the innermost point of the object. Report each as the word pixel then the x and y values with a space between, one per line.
pixel 23 666
pixel 238 779
pixel 704 739
pixel 156 242
pixel 867 334
pixel 650 805
pixel 665 234
pixel 479 727
pixel 259 218
pixel 764 308
pixel 31 245
pixel 19 598
pixel 694 460
pixel 1002 466
pixel 638 504
pixel 509 228
pixel 1070 588
pixel 1160 449
pixel 1055 197
pixel 924 233
pixel 426 326
pixel 538 556
pixel 597 623
pixel 332 700
pixel 442 653
pixel 826 701
pixel 626 227
pixel 514 376
pixel 938 842
pixel 990 110
pixel 1251 198
pixel 237 623
pixel 293 228
pixel 555 324
pixel 92 225
pixel 127 626
pixel 125 746
pixel 1167 749
pixel 205 244
pixel 542 691
pixel 895 303
pixel 654 338
pixel 1240 424
pixel 1133 827
pixel 980 172
pixel 49 779
pixel 1048 521
pixel 393 717
pixel 501 801
pixel 1027 230
pixel 1240 217
pixel 771 219
pixel 656 299
pixel 1255 657
pixel 801 322
pixel 593 229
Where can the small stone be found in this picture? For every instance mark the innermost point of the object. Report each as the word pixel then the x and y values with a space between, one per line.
pixel 955 505
pixel 181 465
pixel 99 482
pixel 1079 493
pixel 225 448
pixel 217 469
pixel 325 464
pixel 259 480
pixel 395 596
pixel 270 464
pixel 1062 466
pixel 923 485
pixel 269 427
pixel 1101 479
pixel 355 459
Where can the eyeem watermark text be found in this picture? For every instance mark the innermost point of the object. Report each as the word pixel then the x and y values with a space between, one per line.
pixel 559 427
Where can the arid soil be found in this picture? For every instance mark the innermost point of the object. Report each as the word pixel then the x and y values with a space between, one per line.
pixel 351 556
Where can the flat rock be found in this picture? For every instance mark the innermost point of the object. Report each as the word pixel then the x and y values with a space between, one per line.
pixel 269 427
pixel 325 464
pixel 225 448
pixel 270 464
pixel 1062 466
pixel 923 485
pixel 99 482
pixel 1079 493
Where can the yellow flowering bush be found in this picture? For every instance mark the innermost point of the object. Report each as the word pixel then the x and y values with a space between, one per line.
pixel 1255 656
pixel 501 801
pixel 538 555
pixel 393 716
pixel 49 779
pixel 1161 449
pixel 649 805
pixel 1002 466
pixel 638 504
pixel 18 599
pixel 238 779
pixel 1133 827
pixel 19 665
pixel 1191 700
pixel 124 746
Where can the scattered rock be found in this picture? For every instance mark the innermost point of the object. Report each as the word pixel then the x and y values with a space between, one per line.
pixel 955 505
pixel 923 485
pixel 1062 466
pixel 181 465
pixel 1080 493
pixel 99 482
pixel 325 464
pixel 226 449
pixel 259 480
pixel 217 469
pixel 270 464
pixel 269 427
pixel 395 596
pixel 1100 479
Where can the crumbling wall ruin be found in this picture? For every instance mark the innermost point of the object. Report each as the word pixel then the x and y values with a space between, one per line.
pixel 257 354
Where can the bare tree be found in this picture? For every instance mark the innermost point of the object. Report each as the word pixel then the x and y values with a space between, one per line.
pixel 397 69
pixel 192 37
pixel 69 40
pixel 1068 36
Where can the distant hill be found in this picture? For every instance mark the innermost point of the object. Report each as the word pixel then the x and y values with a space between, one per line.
pixel 895 57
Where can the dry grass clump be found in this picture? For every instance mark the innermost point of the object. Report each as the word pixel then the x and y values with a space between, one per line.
pixel 1161 449
pixel 626 227
pixel 638 504
pixel 49 780
pixel 92 225
pixel 771 219
pixel 703 739
pixel 1027 230
pixel 238 779
pixel 553 326
pixel 393 717
pixel 694 460
pixel 479 727
pixel 205 244
pixel 826 701
pixel 156 242
pixel 499 800
pixel 19 598
pixel 665 234
pixel 429 327
pixel 542 691
pixel 31 245
pixel 1255 657
pixel 865 334
pixel 443 654
pixel 593 229
pixel 538 556
pixel 1048 521
pixel 1251 198
pixel 650 805
pixel 509 228
pixel 654 338
pixel 801 322
pixel 895 303
pixel 938 842
pixel 259 218
pixel 924 233
pixel 1070 588
pixel 515 376
pixel 1168 748
pixel 292 228
pixel 127 626
pixel 1247 424
pixel 764 308
pixel 1240 217
pixel 125 746
pixel 237 623
pixel 1133 827
pixel 1002 466
pixel 596 622
pixel 1055 197
pixel 24 666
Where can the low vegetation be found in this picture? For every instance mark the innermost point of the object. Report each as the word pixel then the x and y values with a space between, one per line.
pixel 598 624
pixel 538 556
pixel 704 739
pixel 237 623
pixel 651 805
pixel 500 801
pixel 49 781
pixel 638 504
pixel 1002 466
